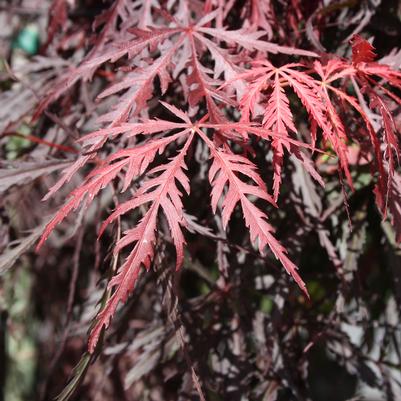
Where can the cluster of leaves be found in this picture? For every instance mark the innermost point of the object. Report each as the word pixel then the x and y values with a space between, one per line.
pixel 178 102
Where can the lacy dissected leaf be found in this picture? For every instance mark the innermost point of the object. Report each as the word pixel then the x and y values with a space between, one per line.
pixel 365 75
pixel 108 20
pixel 58 17
pixel 111 54
pixel 160 190
pixel 279 119
pixel 163 194
pixel 262 15
pixel 140 81
pixel 224 62
pixel 132 162
pixel 223 174
pixel 251 41
pixel 277 115
pixel 391 141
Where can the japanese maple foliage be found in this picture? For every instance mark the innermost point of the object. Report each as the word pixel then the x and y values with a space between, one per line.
pixel 181 79
pixel 221 198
